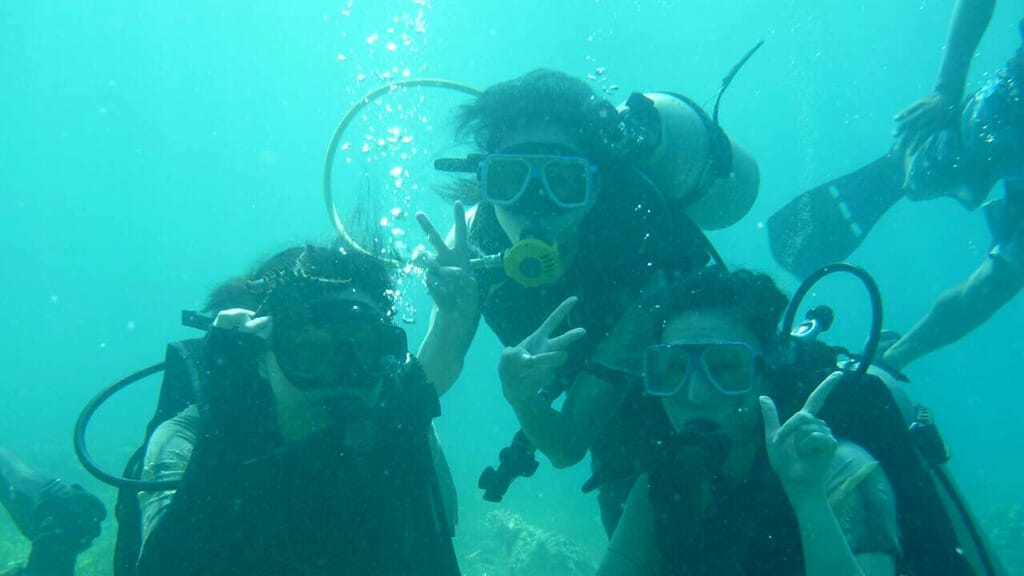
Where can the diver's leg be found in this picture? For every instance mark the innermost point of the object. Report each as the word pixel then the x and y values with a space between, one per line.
pixel 60 519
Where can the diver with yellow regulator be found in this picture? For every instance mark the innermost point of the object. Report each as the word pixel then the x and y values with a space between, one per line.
pixel 572 196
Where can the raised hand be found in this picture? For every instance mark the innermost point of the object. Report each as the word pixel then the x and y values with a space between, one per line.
pixel 449 278
pixel 244 321
pixel 533 364
pixel 922 119
pixel 801 450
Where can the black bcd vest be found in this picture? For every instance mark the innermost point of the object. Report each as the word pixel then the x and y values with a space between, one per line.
pixel 249 504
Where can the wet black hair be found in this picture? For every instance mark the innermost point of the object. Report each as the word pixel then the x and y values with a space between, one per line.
pixel 754 296
pixel 540 97
pixel 287 281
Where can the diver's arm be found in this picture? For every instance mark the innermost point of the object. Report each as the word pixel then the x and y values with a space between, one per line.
pixel 970 19
pixel 812 466
pixel 565 436
pixel 826 551
pixel 443 350
pixel 939 109
pixel 594 397
pixel 958 311
pixel 453 287
pixel 632 551
pixel 537 363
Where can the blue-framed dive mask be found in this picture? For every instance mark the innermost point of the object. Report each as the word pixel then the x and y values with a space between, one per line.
pixel 732 368
pixel 567 181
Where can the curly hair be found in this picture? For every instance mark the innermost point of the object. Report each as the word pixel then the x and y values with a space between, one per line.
pixel 754 296
pixel 287 281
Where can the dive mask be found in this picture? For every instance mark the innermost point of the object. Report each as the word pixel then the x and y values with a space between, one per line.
pixel 730 367
pixel 566 181
pixel 344 344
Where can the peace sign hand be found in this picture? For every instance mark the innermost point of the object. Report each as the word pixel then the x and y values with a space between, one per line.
pixel 533 364
pixel 449 277
pixel 801 450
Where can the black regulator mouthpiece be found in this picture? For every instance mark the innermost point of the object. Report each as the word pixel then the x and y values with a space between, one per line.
pixel 700 439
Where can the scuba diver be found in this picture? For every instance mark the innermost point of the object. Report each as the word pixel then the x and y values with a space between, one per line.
pixel 309 447
pixel 946 145
pixel 296 437
pixel 778 464
pixel 962 149
pixel 574 197
pixel 60 519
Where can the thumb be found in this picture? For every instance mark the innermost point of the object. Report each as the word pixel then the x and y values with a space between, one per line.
pixel 771 417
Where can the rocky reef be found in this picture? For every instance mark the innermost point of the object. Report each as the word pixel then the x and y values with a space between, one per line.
pixel 510 546
pixel 1005 529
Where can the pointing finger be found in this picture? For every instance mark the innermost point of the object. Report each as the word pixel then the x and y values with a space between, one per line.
pixel 557 316
pixel 771 417
pixel 817 398
pixel 460 226
pixel 433 236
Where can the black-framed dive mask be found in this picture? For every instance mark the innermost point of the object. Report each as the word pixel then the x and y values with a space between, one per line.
pixel 344 344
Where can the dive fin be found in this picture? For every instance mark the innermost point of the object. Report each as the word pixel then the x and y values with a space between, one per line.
pixel 828 222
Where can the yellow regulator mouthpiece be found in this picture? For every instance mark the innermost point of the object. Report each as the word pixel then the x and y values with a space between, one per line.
pixel 532 262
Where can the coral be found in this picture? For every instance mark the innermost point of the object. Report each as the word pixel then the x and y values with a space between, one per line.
pixel 13 547
pixel 511 546
pixel 96 561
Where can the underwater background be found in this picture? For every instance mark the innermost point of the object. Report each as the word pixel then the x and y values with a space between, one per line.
pixel 149 150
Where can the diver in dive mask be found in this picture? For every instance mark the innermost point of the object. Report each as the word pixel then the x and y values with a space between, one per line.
pixel 735 491
pixel 310 445
pixel 962 147
pixel 296 436
pixel 572 197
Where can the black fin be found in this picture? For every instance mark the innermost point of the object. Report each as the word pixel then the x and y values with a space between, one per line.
pixel 828 222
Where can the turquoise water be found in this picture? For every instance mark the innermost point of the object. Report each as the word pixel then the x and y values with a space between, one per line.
pixel 149 150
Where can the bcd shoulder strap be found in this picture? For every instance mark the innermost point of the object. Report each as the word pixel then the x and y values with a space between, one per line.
pixel 182 384
pixel 864 410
